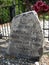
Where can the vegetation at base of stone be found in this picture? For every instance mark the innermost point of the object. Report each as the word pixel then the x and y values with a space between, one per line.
pixel 47 53
pixel 20 6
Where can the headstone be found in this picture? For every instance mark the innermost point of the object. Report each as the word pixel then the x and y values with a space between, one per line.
pixel 26 36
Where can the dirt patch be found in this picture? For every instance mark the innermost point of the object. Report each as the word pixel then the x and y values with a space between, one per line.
pixel 44 60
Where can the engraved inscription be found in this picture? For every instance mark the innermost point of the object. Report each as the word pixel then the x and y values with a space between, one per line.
pixel 26 36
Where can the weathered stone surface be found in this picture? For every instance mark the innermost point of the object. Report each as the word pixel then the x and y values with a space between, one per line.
pixel 26 37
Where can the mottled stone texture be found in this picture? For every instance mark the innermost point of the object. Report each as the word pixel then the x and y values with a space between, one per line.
pixel 26 37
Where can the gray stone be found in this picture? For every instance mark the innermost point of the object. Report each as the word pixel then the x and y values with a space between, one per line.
pixel 26 37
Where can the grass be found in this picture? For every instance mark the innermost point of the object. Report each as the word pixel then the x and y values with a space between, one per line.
pixel 47 53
